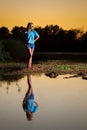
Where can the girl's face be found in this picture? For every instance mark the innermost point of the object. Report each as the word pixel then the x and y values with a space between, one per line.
pixel 30 116
pixel 32 26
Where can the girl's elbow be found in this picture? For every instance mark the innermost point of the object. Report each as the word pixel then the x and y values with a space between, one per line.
pixel 38 36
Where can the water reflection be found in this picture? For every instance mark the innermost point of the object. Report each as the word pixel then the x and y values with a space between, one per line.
pixel 10 74
pixel 8 85
pixel 30 106
pixel 14 74
pixel 63 104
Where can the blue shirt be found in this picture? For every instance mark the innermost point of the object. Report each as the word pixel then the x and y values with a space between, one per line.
pixel 31 107
pixel 30 36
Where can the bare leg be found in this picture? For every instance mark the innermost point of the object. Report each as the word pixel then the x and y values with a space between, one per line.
pixel 31 51
pixel 30 88
pixel 30 85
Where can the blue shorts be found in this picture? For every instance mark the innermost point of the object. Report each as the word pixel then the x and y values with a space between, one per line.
pixel 30 45
pixel 31 96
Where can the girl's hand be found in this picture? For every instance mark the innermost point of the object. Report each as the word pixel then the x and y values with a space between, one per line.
pixel 36 103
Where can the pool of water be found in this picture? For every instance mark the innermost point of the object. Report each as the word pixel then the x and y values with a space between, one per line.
pixel 62 104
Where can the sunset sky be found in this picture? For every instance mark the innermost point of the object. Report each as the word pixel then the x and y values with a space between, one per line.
pixel 65 13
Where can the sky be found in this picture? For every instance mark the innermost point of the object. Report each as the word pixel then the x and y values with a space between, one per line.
pixel 65 13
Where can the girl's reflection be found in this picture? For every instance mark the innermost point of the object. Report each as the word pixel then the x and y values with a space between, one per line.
pixel 30 106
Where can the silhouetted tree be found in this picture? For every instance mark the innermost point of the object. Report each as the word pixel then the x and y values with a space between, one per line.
pixel 52 39
pixel 17 32
pixel 84 37
pixel 83 42
pixel 4 32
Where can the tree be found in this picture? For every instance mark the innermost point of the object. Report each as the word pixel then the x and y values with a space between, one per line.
pixel 17 32
pixel 84 37
pixel 4 32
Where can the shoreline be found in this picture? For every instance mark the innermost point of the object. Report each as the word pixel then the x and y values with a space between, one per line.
pixel 57 66
pixel 14 71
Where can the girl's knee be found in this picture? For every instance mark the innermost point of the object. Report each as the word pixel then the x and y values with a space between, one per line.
pixel 31 55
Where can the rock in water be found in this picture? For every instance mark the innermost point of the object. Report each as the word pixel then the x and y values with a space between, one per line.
pixel 81 74
pixel 84 77
pixel 52 74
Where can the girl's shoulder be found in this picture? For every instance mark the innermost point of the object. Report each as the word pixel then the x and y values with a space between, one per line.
pixel 35 33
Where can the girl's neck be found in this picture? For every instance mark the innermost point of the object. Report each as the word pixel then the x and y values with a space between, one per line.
pixel 29 30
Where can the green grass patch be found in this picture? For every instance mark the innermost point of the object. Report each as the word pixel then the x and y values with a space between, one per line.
pixel 69 67
pixel 62 67
pixel 81 66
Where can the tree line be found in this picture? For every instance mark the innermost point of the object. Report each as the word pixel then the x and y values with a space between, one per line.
pixel 52 39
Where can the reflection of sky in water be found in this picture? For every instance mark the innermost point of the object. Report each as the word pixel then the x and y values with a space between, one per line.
pixel 62 104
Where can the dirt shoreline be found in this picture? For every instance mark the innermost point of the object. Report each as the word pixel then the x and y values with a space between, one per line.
pixel 14 71
pixel 60 67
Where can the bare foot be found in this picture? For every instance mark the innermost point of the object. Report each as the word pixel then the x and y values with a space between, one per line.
pixel 29 66
pixel 33 68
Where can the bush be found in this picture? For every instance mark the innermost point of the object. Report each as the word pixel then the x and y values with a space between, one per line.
pixel 3 54
pixel 16 49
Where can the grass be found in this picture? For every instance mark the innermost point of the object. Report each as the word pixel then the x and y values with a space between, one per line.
pixel 47 66
pixel 70 69
pixel 12 64
pixel 10 71
pixel 62 67
pixel 81 66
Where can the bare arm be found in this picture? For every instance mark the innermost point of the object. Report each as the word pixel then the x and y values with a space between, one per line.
pixel 37 38
pixel 36 103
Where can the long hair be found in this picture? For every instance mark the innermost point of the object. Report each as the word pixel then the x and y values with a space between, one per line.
pixel 28 25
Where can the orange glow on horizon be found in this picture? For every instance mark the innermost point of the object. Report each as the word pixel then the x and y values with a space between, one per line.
pixel 65 13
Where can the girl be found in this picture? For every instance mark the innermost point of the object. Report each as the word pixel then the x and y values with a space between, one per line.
pixel 30 36
pixel 30 106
